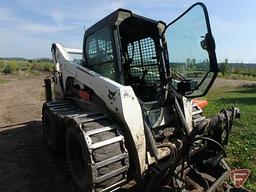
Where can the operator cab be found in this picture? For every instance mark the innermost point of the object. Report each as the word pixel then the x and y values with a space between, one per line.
pixel 151 56
pixel 125 48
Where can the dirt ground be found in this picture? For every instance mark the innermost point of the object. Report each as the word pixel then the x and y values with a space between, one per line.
pixel 25 161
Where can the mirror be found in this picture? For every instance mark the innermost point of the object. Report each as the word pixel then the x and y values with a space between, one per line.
pixel 189 46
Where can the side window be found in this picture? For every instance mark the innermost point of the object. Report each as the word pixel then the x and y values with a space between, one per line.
pixel 92 49
pixel 144 60
pixel 99 53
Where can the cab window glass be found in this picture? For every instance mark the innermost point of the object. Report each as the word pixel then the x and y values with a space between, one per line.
pixel 99 53
pixel 189 60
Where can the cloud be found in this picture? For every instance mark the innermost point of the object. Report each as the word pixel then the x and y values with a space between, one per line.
pixel 42 28
pixel 17 45
pixel 53 21
pixel 22 35
pixel 32 25
pixel 31 28
pixel 7 14
pixel 65 13
pixel 15 23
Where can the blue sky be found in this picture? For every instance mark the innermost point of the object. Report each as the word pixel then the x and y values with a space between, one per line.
pixel 29 27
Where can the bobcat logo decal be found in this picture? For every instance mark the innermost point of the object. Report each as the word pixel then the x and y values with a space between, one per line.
pixel 111 95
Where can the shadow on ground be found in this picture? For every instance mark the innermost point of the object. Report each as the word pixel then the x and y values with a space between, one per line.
pixel 238 100
pixel 246 89
pixel 26 163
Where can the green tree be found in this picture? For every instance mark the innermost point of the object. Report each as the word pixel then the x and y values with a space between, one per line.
pixel 193 61
pixel 225 67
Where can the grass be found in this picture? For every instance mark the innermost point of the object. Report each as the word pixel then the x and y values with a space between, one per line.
pixel 242 144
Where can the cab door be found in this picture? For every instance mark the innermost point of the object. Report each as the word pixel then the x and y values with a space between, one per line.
pixel 190 52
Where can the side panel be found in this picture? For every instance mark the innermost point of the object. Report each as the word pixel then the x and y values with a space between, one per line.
pixel 122 101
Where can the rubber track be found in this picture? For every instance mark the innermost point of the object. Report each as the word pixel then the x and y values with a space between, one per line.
pixel 108 155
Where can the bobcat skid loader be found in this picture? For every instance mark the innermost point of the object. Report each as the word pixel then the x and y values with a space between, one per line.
pixel 125 111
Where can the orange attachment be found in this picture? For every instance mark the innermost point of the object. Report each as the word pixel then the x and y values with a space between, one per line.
pixel 84 95
pixel 200 103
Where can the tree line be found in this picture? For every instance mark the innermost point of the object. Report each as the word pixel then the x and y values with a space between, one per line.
pixel 228 69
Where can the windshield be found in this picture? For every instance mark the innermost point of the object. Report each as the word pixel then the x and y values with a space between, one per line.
pixel 187 51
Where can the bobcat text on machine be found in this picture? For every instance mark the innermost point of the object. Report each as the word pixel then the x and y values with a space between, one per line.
pixel 126 112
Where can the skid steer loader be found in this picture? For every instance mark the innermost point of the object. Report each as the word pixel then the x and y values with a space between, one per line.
pixel 125 111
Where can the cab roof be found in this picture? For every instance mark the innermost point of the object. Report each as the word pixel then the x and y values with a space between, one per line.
pixel 116 18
